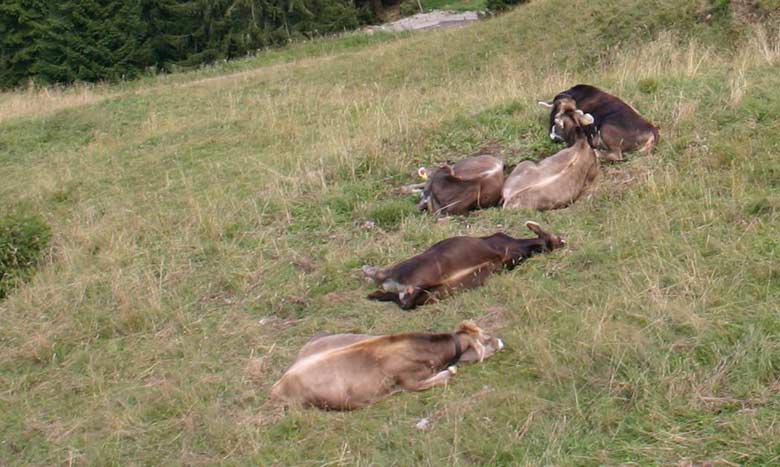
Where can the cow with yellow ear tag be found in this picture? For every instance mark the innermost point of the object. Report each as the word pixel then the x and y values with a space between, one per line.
pixel 454 189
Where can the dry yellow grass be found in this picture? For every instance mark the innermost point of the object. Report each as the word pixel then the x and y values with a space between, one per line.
pixel 36 101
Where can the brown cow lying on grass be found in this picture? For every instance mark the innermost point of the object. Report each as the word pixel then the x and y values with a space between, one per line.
pixel 453 264
pixel 617 127
pixel 557 181
pixel 352 371
pixel 472 183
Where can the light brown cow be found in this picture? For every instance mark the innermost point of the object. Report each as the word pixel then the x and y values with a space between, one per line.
pixel 559 180
pixel 352 371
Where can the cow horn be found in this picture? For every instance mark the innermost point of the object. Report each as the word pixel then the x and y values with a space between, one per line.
pixel 546 105
pixel 588 119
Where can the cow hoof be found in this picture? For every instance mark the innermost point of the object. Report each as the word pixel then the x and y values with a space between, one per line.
pixel 453 370
pixel 424 424
pixel 611 156
pixel 369 271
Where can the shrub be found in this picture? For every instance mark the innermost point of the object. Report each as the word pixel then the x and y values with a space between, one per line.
pixel 409 8
pixel 22 239
pixel 648 85
pixel 500 5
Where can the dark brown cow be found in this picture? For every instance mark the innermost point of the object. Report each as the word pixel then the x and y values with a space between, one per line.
pixel 558 180
pixel 471 183
pixel 352 371
pixel 618 127
pixel 453 264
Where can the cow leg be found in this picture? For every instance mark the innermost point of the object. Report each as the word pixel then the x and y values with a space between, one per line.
pixel 436 380
pixel 374 273
pixel 405 300
pixel 413 188
pixel 418 296
pixel 370 272
pixel 593 172
pixel 382 296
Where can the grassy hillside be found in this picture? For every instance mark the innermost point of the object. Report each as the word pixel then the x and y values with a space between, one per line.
pixel 207 224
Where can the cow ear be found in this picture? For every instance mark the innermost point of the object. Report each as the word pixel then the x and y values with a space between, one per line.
pixel 546 105
pixel 535 228
pixel 469 328
pixel 422 172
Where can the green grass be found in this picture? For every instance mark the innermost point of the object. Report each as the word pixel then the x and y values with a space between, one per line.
pixel 205 225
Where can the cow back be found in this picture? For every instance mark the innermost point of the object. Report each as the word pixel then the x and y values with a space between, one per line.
pixel 552 183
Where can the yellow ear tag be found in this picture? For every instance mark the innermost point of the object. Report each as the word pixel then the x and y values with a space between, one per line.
pixel 422 173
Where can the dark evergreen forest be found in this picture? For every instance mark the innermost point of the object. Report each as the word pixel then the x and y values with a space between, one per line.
pixel 90 40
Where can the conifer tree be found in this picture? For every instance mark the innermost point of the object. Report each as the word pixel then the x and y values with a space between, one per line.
pixel 20 22
pixel 90 40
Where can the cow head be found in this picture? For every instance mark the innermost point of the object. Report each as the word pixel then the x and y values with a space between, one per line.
pixel 565 118
pixel 481 345
pixel 430 176
pixel 426 173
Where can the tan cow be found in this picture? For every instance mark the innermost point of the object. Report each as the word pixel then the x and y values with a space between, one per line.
pixel 559 180
pixel 352 371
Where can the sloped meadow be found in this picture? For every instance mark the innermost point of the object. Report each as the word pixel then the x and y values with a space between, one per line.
pixel 206 225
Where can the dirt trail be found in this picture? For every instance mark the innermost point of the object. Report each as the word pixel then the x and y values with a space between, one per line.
pixel 431 20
